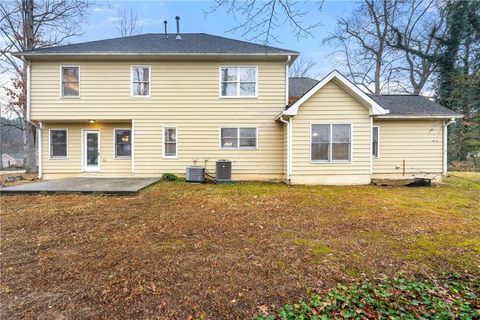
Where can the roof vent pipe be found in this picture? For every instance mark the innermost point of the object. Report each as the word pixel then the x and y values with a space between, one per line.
pixel 166 33
pixel 178 37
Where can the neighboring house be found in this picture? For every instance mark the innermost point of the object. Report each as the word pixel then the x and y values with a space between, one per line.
pixel 155 103
pixel 9 160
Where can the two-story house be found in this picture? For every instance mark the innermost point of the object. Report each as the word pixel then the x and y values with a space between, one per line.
pixel 155 103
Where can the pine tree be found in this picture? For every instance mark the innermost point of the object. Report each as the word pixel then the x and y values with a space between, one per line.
pixel 458 80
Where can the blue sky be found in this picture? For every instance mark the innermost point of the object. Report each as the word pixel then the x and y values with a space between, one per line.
pixel 104 17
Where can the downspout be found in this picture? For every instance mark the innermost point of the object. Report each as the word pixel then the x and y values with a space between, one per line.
pixel 133 146
pixel 445 145
pixel 289 144
pixel 288 147
pixel 40 150
pixel 371 146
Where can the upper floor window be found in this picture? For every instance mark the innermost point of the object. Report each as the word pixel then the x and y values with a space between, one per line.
pixel 235 138
pixel 70 81
pixel 238 81
pixel 123 143
pixel 331 143
pixel 140 81
pixel 375 142
pixel 58 143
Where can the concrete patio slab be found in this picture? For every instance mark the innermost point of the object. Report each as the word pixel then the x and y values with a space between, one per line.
pixel 120 186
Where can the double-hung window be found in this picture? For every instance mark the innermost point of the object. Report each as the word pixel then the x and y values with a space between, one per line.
pixel 70 81
pixel 375 142
pixel 123 143
pixel 170 142
pixel 238 138
pixel 140 81
pixel 238 81
pixel 331 143
pixel 58 143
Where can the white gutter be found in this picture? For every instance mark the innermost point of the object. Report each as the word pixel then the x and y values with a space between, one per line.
pixel 445 145
pixel 417 117
pixel 289 148
pixel 214 54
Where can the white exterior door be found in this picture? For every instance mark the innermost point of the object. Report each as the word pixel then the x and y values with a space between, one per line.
pixel 91 150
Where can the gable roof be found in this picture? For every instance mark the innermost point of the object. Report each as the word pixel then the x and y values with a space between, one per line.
pixel 372 105
pixel 412 105
pixel 15 156
pixel 397 105
pixel 159 44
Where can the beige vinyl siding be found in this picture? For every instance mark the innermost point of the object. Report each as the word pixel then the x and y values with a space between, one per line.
pixel 73 164
pixel 185 90
pixel 184 94
pixel 331 104
pixel 201 141
pixel 418 142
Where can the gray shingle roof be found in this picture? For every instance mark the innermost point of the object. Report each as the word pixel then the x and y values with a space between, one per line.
pixel 398 105
pixel 298 86
pixel 411 105
pixel 157 43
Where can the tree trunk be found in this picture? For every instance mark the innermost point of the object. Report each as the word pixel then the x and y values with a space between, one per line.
pixel 29 146
pixel 28 128
pixel 378 70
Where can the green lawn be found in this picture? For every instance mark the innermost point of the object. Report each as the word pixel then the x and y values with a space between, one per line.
pixel 225 251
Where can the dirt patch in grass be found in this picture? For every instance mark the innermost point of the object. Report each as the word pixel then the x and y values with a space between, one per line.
pixel 221 251
pixel 12 179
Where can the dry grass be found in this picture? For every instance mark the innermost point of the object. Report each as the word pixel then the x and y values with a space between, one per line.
pixel 224 251
pixel 27 178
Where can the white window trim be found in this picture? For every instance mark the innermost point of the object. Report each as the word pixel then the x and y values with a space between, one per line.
pixel 378 143
pixel 238 96
pixel 149 80
pixel 331 161
pixel 61 81
pixel 50 144
pixel 238 137
pixel 115 157
pixel 176 142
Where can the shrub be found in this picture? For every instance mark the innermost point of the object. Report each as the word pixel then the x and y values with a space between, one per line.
pixel 169 177
pixel 453 297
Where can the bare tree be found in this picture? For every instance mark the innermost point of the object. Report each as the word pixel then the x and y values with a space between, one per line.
pixel 27 25
pixel 372 43
pixel 259 19
pixel 128 24
pixel 362 39
pixel 302 67
pixel 417 34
